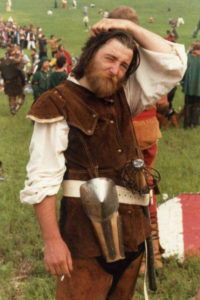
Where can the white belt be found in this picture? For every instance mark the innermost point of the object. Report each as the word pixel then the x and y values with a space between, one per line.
pixel 71 188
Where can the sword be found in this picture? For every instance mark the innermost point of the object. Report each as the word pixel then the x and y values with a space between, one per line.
pixel 151 273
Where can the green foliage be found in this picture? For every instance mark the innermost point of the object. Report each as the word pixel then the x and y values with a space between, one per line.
pixel 22 274
pixel 175 281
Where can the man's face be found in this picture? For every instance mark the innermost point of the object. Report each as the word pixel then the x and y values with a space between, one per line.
pixel 45 66
pixel 107 69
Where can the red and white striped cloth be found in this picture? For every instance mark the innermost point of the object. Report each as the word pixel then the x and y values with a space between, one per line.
pixel 179 225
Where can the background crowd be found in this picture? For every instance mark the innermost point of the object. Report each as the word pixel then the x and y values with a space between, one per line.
pixel 36 68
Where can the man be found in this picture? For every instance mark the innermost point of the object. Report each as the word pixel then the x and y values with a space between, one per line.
pixel 147 132
pixel 14 79
pixel 197 28
pixel 60 74
pixel 191 87
pixel 62 51
pixel 40 81
pixel 97 141
pixel 42 43
pixel 34 63
pixel 53 43
pixel 31 39
pixel 86 22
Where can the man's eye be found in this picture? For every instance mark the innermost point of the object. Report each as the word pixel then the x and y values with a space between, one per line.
pixel 110 58
pixel 125 67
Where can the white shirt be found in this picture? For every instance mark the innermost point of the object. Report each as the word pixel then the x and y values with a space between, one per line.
pixel 157 74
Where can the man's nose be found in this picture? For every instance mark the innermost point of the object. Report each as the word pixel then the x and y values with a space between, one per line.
pixel 115 69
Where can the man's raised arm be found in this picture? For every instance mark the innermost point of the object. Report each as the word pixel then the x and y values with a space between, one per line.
pixel 142 36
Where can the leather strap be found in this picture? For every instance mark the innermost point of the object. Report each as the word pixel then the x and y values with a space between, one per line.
pixel 71 188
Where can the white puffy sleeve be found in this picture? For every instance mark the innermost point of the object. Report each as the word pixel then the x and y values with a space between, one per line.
pixel 156 75
pixel 46 166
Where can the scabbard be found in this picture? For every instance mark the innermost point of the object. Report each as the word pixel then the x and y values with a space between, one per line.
pixel 151 273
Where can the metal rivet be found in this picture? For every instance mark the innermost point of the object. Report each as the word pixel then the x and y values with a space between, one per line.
pixel 119 150
pixel 94 115
pixel 89 131
pixel 112 121
pixel 138 163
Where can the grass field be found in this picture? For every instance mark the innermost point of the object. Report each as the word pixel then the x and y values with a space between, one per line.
pixel 22 274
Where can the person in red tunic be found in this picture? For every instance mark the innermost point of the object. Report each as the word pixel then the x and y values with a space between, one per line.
pixel 64 3
pixel 62 51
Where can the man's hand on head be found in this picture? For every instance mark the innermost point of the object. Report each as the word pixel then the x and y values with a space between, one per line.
pixel 106 24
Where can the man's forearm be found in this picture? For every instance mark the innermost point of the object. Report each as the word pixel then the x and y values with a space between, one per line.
pixel 148 39
pixel 46 214
pixel 143 37
pixel 57 256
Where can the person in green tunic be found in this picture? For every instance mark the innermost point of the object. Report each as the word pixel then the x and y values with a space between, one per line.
pixel 40 81
pixel 191 87
pixel 60 74
pixel 194 35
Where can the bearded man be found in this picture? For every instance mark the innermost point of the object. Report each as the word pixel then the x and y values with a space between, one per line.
pixel 86 132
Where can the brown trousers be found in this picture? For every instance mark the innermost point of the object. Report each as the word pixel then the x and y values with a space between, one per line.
pixel 90 282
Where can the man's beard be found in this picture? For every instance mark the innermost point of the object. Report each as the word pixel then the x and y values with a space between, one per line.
pixel 102 84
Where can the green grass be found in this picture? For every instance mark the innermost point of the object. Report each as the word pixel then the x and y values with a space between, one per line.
pixel 22 274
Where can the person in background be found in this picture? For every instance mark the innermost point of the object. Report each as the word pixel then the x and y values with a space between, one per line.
pixel 62 51
pixel 53 43
pixel 42 44
pixel 34 63
pixel 191 87
pixel 31 39
pixel 14 79
pixel 85 10
pixel 180 21
pixel 40 81
pixel 170 37
pixel 74 4
pixel 151 20
pixel 86 22
pixel 64 4
pixel 60 74
pixel 197 28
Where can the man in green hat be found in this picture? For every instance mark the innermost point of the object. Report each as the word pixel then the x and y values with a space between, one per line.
pixel 40 81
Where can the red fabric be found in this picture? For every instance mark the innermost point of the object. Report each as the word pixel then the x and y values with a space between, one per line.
pixel 150 154
pixel 153 210
pixel 144 115
pixel 68 59
pixel 191 223
pixel 169 38
pixel 149 157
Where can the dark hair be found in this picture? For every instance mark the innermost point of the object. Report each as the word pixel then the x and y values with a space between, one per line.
pixel 61 60
pixel 94 43
pixel 59 47
pixel 195 46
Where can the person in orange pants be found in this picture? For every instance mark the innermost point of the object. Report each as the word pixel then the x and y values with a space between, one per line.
pixel 147 132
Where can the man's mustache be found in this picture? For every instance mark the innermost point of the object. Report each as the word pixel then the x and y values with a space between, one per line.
pixel 109 76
